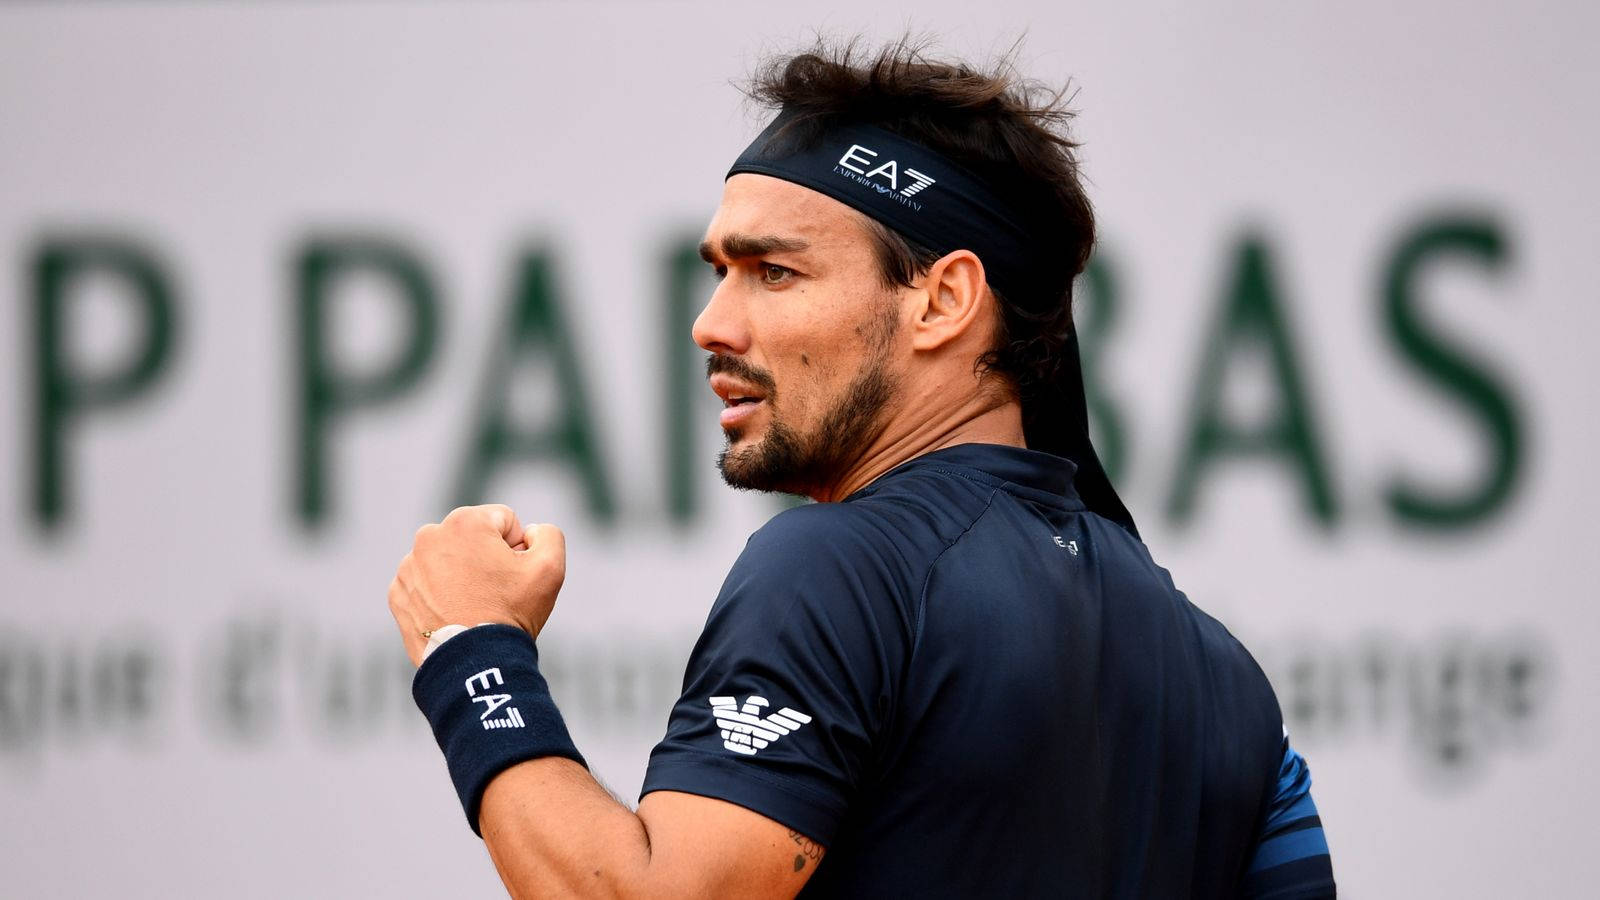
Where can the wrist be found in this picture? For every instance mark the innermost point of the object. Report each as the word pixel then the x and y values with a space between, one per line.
pixel 438 636
pixel 489 707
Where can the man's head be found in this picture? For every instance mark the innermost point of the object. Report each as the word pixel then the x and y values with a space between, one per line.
pixel 831 333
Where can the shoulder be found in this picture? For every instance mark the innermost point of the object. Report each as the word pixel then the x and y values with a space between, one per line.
pixel 827 564
pixel 821 543
pixel 899 531
pixel 826 528
pixel 1235 674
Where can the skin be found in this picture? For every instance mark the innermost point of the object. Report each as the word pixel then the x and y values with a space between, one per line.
pixel 808 310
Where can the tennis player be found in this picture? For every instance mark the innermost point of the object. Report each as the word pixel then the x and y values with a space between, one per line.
pixel 959 673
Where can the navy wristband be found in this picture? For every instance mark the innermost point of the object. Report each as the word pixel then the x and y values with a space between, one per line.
pixel 489 707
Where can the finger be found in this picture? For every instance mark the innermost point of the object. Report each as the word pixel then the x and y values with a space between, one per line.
pixel 496 517
pixel 546 539
pixel 504 520
pixel 546 557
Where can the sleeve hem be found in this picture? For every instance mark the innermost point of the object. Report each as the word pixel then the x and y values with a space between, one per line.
pixel 739 783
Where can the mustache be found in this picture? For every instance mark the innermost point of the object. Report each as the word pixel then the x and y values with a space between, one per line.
pixel 723 364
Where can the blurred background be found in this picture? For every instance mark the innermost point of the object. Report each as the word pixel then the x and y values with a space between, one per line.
pixel 280 282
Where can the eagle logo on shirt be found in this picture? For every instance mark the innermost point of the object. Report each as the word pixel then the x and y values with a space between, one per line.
pixel 743 728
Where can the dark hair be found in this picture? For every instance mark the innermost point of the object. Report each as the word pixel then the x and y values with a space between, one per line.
pixel 1009 131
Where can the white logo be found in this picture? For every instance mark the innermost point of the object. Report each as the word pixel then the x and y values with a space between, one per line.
pixel 744 731
pixel 888 170
pixel 1069 546
pixel 492 702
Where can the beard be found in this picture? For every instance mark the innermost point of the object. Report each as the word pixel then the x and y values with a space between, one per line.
pixel 786 461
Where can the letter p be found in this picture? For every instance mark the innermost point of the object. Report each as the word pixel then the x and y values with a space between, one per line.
pixel 65 391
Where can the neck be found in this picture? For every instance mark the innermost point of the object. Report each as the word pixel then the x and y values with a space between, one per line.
pixel 984 419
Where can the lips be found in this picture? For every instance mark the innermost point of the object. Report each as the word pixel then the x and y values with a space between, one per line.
pixel 740 399
pixel 735 393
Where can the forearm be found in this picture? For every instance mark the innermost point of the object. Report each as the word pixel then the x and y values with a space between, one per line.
pixel 551 829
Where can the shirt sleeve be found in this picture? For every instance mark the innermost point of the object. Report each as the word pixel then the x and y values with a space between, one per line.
pixel 792 681
pixel 1291 858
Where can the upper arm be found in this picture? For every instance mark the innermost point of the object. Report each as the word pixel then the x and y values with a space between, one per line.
pixel 1291 858
pixel 787 696
pixel 704 847
pixel 552 830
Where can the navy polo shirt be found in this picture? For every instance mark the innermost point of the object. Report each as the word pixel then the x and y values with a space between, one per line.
pixel 964 684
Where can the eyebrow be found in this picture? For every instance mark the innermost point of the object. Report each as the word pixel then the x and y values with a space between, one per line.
pixel 745 246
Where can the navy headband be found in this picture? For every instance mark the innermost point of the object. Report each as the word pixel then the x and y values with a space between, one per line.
pixel 907 187
pixel 940 205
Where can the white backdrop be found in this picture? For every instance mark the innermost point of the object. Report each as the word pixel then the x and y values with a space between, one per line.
pixel 203 695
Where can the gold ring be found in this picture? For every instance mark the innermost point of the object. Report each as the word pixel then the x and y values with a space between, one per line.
pixel 426 634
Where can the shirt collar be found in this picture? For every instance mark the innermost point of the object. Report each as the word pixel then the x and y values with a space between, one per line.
pixel 1031 473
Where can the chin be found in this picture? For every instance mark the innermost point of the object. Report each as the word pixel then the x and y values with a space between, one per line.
pixel 773 460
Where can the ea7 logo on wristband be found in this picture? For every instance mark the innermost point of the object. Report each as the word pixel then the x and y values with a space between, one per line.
pixel 492 702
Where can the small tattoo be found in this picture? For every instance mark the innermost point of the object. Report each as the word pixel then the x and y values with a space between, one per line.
pixel 808 849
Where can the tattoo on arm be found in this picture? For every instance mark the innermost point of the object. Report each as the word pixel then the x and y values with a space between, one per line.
pixel 809 849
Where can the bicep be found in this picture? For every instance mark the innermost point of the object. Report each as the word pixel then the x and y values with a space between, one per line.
pixel 551 829
pixel 704 847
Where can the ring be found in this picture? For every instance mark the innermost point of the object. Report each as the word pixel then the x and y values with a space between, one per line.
pixel 426 635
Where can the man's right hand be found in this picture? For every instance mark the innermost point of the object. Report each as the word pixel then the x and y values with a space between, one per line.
pixel 465 571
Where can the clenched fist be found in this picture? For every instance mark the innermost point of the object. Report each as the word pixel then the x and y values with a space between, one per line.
pixel 478 565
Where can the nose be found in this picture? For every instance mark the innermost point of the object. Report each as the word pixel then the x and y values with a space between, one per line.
pixel 722 326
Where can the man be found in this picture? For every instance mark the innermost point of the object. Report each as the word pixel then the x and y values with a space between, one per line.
pixel 959 673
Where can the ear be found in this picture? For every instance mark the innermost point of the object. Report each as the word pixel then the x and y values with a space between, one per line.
pixel 952 302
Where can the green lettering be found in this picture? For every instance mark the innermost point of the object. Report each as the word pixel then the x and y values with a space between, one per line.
pixel 64 393
pixel 327 392
pixel 1454 371
pixel 536 323
pixel 1252 317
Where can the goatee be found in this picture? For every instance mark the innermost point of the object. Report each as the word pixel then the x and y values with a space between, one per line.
pixel 786 461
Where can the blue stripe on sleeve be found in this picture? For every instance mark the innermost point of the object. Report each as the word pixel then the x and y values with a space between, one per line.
pixel 1290 847
pixel 1302 808
pixel 1292 841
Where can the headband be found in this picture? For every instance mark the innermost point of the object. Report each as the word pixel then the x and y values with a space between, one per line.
pixel 940 205
pixel 907 187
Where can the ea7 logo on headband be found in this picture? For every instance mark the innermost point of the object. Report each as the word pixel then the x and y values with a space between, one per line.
pixel 888 170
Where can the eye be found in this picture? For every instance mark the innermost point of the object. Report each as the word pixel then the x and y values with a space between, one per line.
pixel 720 271
pixel 774 274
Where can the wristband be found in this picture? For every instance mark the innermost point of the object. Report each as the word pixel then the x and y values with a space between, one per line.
pixel 489 708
